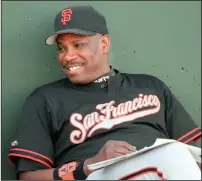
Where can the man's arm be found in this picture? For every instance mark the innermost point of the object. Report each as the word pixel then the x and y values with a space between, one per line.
pixel 32 141
pixel 110 150
pixel 180 125
pixel 46 174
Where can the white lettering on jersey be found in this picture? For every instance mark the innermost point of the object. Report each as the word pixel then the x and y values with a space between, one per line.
pixel 102 79
pixel 110 116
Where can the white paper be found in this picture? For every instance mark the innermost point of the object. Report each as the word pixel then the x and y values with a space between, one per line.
pixel 196 152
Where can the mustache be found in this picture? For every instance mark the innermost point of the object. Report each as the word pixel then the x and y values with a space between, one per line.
pixel 64 66
pixel 71 64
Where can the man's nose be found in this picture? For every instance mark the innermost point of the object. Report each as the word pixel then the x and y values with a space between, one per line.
pixel 70 55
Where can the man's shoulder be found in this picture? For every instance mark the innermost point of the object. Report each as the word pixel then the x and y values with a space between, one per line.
pixel 50 87
pixel 143 79
pixel 141 76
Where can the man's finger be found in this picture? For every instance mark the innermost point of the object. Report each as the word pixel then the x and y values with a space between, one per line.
pixel 117 155
pixel 122 150
pixel 126 145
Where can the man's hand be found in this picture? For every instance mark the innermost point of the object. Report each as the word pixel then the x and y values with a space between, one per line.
pixel 111 149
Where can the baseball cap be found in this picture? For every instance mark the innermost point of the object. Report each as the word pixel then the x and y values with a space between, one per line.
pixel 82 20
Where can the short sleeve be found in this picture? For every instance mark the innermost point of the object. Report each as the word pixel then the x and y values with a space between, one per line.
pixel 180 125
pixel 32 140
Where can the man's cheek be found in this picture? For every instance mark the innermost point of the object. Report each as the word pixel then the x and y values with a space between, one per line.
pixel 60 59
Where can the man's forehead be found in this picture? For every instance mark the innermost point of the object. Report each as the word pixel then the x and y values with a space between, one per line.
pixel 70 36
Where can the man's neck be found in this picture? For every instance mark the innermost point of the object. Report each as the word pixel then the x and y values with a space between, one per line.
pixel 105 76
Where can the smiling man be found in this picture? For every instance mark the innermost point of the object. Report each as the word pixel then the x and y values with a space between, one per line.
pixel 83 42
pixel 97 113
pixel 83 58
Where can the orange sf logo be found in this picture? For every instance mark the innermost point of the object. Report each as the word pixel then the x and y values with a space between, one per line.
pixel 66 16
pixel 67 168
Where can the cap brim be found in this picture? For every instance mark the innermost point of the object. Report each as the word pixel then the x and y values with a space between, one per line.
pixel 51 39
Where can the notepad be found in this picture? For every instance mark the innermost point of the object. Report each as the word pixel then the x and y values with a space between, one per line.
pixel 195 151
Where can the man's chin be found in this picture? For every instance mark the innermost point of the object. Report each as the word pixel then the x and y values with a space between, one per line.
pixel 78 80
pixel 80 77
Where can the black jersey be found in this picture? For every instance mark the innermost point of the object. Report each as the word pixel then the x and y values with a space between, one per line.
pixel 62 122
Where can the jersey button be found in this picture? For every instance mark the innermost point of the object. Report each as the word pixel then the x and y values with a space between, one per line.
pixel 103 86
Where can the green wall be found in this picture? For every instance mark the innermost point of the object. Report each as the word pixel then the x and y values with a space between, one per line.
pixel 166 38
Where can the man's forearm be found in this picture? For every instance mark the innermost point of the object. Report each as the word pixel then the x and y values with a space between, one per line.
pixel 46 174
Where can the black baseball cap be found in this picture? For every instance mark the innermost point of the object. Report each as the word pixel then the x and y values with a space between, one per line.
pixel 82 20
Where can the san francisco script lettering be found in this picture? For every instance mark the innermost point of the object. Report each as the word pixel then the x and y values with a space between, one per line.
pixel 109 115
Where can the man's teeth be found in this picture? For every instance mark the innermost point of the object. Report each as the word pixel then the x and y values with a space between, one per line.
pixel 76 67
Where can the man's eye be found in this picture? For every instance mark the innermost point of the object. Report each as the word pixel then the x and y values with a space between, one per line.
pixel 60 49
pixel 79 45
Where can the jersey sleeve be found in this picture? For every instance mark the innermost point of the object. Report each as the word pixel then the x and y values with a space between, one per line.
pixel 32 140
pixel 180 125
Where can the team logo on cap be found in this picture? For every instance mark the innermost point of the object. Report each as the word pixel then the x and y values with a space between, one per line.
pixel 66 16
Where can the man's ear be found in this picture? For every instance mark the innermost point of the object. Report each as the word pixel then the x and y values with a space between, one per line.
pixel 105 43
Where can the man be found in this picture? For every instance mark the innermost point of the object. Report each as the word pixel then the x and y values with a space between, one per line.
pixel 96 113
